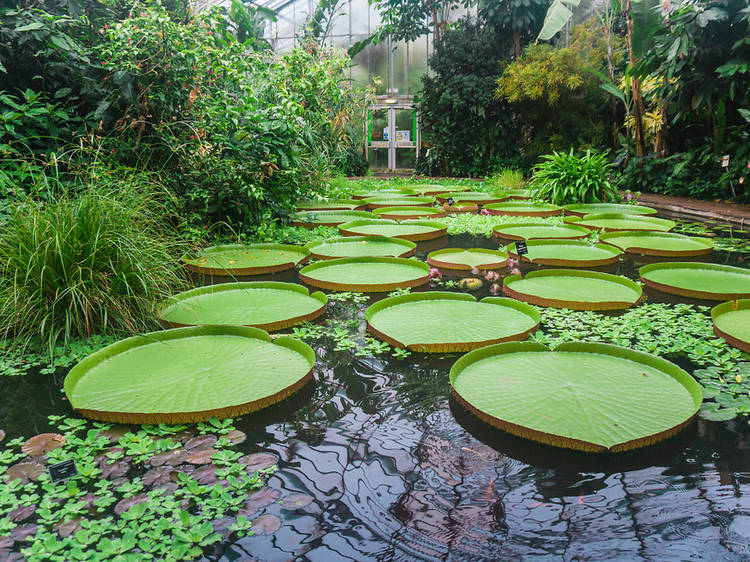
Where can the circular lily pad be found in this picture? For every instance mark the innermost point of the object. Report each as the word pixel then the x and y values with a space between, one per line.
pixel 265 305
pixel 382 193
pixel 664 244
pixel 247 259
pixel 366 275
pixel 583 209
pixel 476 197
pixel 466 259
pixel 414 230
pixel 567 253
pixel 461 207
pixel 574 289
pixel 425 189
pixel 732 322
pixel 449 322
pixel 188 375
pixel 523 209
pixel 515 193
pixel 617 222
pixel 401 201
pixel 311 219
pixel 330 205
pixel 588 396
pixel 400 213
pixel 536 230
pixel 43 443
pixel 698 280
pixel 361 246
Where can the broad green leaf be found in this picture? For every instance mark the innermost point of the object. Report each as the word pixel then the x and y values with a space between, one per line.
pixel 658 243
pixel 557 16
pixel 361 246
pixel 365 274
pixel 699 280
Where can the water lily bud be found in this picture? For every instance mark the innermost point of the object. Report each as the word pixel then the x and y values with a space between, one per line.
pixel 474 271
pixel 492 276
pixel 435 273
pixel 738 379
pixel 495 289
pixel 470 284
pixel 515 271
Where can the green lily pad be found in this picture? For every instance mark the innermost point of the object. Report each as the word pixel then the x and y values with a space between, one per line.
pixel 400 201
pixel 574 289
pixel 698 280
pixel 466 259
pixel 431 188
pixel 265 305
pixel 587 396
pixel 732 322
pixel 618 222
pixel 311 219
pixel 247 259
pixel 414 230
pixel 188 375
pixel 523 209
pixel 366 275
pixel 536 230
pixel 583 209
pixel 567 253
pixel 449 322
pixel 400 213
pixel 461 207
pixel 664 244
pixel 382 193
pixel 477 197
pixel 360 246
pixel 329 205
pixel 515 193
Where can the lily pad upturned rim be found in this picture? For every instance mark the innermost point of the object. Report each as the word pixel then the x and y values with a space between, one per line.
pixel 615 257
pixel 532 209
pixel 573 209
pixel 448 296
pixel 573 305
pixel 657 363
pixel 268 326
pixel 580 232
pixel 648 223
pixel 373 193
pixel 409 247
pixel 477 197
pixel 401 201
pixel 232 272
pixel 500 258
pixel 342 216
pixel 439 229
pixel 692 293
pixel 728 308
pixel 515 194
pixel 461 207
pixel 427 189
pixel 417 211
pixel 330 205
pixel 304 275
pixel 232 410
pixel 611 237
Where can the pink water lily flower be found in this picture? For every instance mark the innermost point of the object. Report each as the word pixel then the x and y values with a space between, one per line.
pixel 435 273
pixel 492 276
pixel 484 212
pixel 512 263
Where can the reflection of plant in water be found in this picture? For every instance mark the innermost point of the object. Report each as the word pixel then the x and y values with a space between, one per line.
pixel 679 330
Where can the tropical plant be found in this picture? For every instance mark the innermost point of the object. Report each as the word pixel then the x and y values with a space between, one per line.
pixel 564 178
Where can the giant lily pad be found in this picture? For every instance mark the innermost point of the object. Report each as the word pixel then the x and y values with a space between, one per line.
pixel 360 246
pixel 698 280
pixel 311 219
pixel 401 201
pixel 732 322
pixel 587 396
pixel 523 209
pixel 330 205
pixel 416 231
pixel 466 259
pixel 516 194
pixel 461 207
pixel 447 322
pixel 366 275
pixel 188 375
pixel 476 197
pixel 400 213
pixel 250 259
pixel 617 222
pixel 574 289
pixel 567 253
pixel 583 209
pixel 431 188
pixel 382 193
pixel 664 244
pixel 536 230
pixel 265 305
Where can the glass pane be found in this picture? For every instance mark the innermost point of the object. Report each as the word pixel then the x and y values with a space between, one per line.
pixel 378 158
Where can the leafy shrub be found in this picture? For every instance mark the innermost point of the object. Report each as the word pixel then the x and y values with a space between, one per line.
pixel 564 178
pixel 507 178
pixel 93 262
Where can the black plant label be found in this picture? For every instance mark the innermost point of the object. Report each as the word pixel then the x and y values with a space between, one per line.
pixel 62 470
pixel 521 248
pixel 450 201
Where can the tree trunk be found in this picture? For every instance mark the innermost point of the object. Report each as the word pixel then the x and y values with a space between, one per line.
pixel 635 86
pixel 436 24
pixel 517 42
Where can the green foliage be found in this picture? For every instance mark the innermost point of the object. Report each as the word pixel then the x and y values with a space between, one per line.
pixel 506 178
pixel 86 263
pixel 564 178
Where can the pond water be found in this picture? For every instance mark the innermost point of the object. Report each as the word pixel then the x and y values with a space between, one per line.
pixel 398 471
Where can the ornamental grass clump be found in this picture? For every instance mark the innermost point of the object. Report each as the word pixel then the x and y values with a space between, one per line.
pixel 564 178
pixel 96 261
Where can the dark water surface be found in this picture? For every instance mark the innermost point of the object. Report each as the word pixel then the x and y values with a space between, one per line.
pixel 398 471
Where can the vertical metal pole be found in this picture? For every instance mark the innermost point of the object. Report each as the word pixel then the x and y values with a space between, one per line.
pixel 294 24
pixel 390 63
pixel 407 69
pixel 391 139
